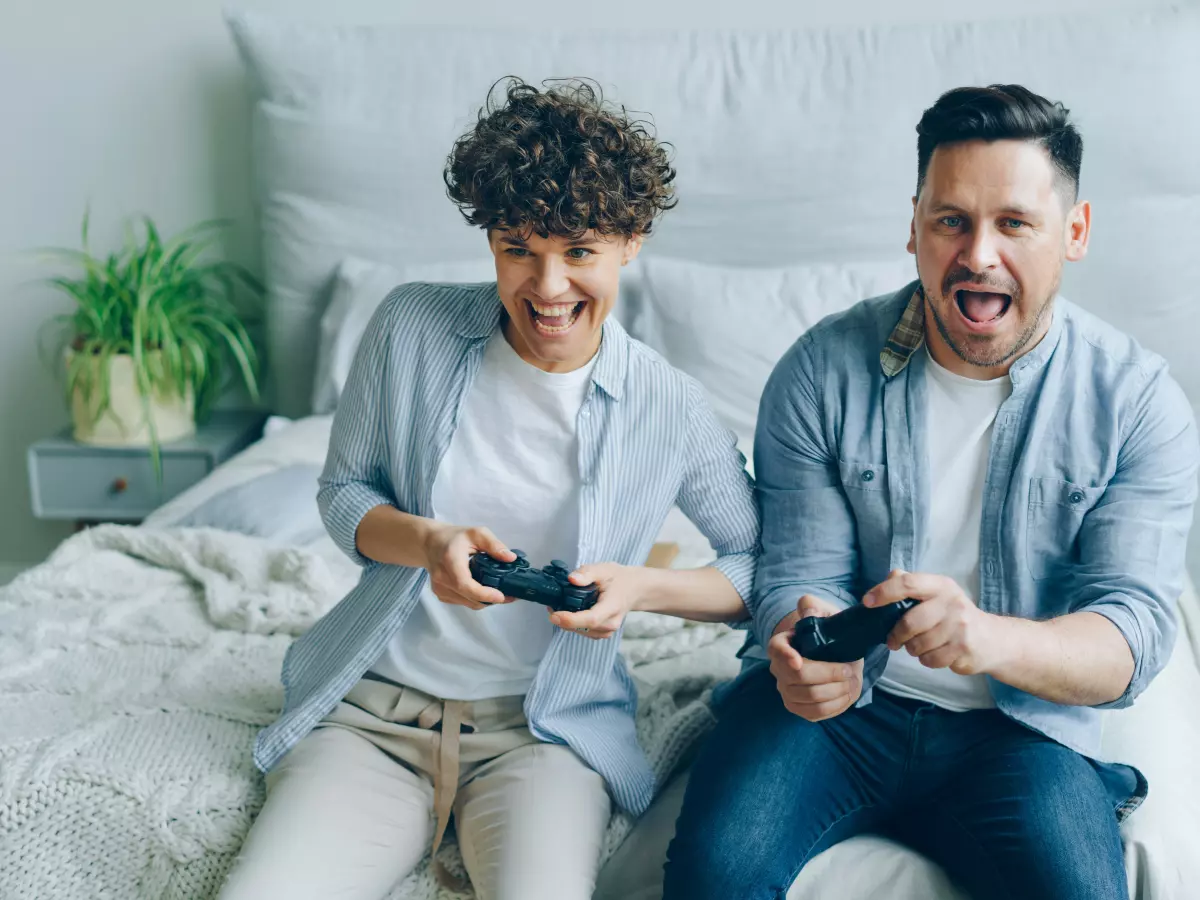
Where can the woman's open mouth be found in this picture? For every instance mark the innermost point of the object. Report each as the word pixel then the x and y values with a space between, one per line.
pixel 982 310
pixel 554 319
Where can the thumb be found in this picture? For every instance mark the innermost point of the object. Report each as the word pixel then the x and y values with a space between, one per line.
pixel 492 545
pixel 584 575
pixel 809 605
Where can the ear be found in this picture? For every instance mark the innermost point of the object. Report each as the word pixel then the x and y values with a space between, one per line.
pixel 1079 230
pixel 633 246
pixel 912 230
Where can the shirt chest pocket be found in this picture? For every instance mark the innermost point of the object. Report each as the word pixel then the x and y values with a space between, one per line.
pixel 1056 512
pixel 866 488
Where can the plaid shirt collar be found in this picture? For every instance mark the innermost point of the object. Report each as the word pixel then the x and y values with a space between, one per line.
pixel 907 337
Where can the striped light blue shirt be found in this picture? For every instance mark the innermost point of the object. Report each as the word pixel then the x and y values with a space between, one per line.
pixel 647 440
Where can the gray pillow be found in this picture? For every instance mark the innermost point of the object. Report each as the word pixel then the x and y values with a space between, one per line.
pixel 280 506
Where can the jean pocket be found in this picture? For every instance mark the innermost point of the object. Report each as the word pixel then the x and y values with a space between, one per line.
pixel 1056 512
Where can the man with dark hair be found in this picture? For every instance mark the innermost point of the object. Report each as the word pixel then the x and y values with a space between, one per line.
pixel 1024 471
pixel 478 418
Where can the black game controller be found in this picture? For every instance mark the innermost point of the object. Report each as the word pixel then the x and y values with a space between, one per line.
pixel 548 586
pixel 847 636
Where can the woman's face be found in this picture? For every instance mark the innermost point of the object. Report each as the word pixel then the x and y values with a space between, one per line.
pixel 558 291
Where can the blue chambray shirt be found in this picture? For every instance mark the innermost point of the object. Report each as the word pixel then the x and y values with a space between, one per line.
pixel 647 440
pixel 1087 500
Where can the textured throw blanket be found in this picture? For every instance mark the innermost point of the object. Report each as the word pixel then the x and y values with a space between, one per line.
pixel 136 667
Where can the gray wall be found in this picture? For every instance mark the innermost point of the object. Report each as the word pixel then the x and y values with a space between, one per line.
pixel 138 106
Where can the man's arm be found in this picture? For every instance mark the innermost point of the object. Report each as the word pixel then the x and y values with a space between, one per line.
pixel 1132 547
pixel 809 536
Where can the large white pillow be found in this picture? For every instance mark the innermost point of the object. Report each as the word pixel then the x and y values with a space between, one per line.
pixel 359 287
pixel 728 326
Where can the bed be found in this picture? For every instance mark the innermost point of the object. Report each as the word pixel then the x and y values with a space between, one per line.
pixel 136 664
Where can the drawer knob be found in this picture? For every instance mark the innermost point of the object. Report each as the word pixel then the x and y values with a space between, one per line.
pixel 120 485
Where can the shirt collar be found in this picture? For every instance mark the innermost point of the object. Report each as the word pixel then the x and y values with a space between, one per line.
pixel 909 335
pixel 485 313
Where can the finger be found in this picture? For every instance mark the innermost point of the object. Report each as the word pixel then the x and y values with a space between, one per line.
pixel 943 657
pixel 780 647
pixel 586 623
pixel 824 673
pixel 819 693
pixel 461 582
pixel 808 605
pixel 917 621
pixel 815 712
pixel 938 636
pixel 902 585
pixel 582 576
pixel 452 599
pixel 484 540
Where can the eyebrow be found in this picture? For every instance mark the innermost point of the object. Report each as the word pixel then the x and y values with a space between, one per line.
pixel 517 242
pixel 1016 211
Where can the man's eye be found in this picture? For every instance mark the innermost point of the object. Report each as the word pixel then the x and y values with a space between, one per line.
pixel 579 253
pixel 1013 224
pixel 951 221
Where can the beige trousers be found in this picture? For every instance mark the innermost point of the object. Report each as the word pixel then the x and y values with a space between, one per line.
pixel 355 805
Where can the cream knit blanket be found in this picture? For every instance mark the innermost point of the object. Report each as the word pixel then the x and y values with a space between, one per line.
pixel 136 666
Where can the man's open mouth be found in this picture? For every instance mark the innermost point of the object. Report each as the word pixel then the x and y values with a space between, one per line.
pixel 982 307
pixel 554 318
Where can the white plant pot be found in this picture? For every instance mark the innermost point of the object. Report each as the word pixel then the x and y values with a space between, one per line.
pixel 124 422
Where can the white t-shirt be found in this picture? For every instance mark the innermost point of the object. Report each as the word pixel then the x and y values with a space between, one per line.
pixel 959 419
pixel 512 466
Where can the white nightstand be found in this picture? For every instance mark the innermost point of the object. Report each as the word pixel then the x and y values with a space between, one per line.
pixel 69 480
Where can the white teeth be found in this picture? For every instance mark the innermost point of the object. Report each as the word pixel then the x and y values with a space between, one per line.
pixel 555 329
pixel 552 309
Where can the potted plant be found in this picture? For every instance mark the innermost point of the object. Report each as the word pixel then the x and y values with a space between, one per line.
pixel 155 335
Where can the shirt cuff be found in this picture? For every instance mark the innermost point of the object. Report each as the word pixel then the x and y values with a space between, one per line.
pixel 344 511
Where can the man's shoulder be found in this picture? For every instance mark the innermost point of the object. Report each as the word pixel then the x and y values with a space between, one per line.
pixel 853 337
pixel 1109 351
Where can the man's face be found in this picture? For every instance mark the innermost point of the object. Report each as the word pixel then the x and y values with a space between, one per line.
pixel 991 228
pixel 558 292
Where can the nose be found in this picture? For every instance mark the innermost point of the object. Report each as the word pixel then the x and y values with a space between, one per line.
pixel 980 252
pixel 550 277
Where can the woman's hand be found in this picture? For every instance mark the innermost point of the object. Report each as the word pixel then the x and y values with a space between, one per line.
pixel 621 590
pixel 448 550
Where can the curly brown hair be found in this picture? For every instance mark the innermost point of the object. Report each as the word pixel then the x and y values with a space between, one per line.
pixel 559 161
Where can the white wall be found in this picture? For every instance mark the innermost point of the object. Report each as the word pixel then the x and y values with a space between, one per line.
pixel 139 106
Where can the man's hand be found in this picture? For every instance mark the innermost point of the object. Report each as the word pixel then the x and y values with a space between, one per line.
pixel 810 689
pixel 621 588
pixel 448 550
pixel 946 629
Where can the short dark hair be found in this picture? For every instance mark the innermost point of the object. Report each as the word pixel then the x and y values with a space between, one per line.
pixel 559 161
pixel 1001 112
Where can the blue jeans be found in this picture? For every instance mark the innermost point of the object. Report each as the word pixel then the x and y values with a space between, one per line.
pixel 1007 812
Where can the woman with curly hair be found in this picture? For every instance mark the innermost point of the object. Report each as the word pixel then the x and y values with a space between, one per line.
pixel 476 419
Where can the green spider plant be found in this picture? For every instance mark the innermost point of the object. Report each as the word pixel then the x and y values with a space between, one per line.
pixel 174 313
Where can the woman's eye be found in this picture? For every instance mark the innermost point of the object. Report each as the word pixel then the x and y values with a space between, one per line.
pixel 517 252
pixel 579 253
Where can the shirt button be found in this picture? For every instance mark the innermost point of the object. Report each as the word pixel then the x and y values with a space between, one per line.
pixel 868 475
pixel 1076 497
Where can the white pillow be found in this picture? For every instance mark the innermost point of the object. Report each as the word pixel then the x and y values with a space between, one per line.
pixel 358 288
pixel 728 326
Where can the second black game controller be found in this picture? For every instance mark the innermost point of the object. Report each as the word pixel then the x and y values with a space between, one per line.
pixel 848 635
pixel 549 585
